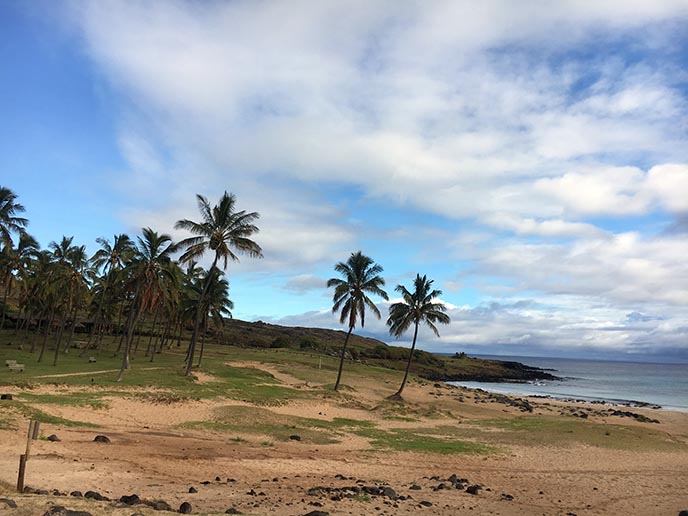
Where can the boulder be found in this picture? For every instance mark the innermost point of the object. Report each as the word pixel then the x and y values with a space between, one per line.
pixel 473 489
pixel 232 510
pixel 101 439
pixel 7 397
pixel 130 499
pixel 295 437
pixel 185 508
pixel 94 495
pixel 53 438
pixel 76 493
pixel 317 513
pixel 389 493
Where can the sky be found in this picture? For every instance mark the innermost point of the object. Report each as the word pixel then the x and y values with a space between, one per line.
pixel 529 157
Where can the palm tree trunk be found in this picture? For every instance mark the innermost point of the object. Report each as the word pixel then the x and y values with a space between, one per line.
pixel 45 335
pixel 197 319
pixel 58 341
pixel 4 302
pixel 341 359
pixel 205 330
pixel 132 320
pixel 397 395
pixel 71 330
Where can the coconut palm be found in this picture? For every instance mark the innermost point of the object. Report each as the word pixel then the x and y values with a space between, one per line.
pixel 360 275
pixel 417 307
pixel 222 230
pixel 148 276
pixel 110 258
pixel 9 221
pixel 13 260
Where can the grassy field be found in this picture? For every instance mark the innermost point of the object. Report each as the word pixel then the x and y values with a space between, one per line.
pixel 80 383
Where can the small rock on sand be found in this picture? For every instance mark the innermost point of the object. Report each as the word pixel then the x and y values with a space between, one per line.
pixel 58 510
pixel 7 503
pixel 101 439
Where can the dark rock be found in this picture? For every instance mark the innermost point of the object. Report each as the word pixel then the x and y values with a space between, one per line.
pixel 185 508
pixel 53 438
pixel 683 513
pixel 415 487
pixel 78 494
pixel 295 437
pixel 59 510
pixel 217 479
pixel 193 490
pixel 473 489
pixel 130 499
pixel 507 497
pixel 101 439
pixel 339 476
pixel 425 503
pixel 7 397
pixel 159 505
pixel 205 482
pixel 7 503
pixel 232 510
pixel 41 492
pixel 389 493
pixel 93 495
pixel 317 513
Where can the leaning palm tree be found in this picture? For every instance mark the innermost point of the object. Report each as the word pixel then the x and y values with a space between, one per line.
pixel 9 208
pixel 149 272
pixel 417 307
pixel 360 275
pixel 222 229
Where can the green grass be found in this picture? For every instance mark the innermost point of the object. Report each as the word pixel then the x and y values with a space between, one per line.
pixel 254 420
pixel 78 399
pixel 38 415
pixel 561 431
pixel 417 441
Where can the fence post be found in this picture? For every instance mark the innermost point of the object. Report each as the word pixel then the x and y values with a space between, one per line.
pixel 31 435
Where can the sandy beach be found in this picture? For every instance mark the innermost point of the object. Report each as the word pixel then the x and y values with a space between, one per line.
pixel 158 451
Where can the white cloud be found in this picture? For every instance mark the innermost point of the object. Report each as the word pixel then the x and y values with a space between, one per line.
pixel 488 115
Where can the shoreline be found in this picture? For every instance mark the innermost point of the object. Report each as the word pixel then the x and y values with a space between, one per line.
pixel 637 404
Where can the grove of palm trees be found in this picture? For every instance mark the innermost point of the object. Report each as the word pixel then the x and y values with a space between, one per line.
pixel 152 287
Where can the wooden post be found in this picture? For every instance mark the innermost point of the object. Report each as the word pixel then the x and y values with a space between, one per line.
pixel 31 435
pixel 22 469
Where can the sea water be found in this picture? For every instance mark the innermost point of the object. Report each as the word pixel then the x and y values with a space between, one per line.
pixel 600 380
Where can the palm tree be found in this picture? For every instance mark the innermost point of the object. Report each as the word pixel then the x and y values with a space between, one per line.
pixel 9 208
pixel 417 307
pixel 12 260
pixel 149 272
pixel 360 276
pixel 110 258
pixel 221 230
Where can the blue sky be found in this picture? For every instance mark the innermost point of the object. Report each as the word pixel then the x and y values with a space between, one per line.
pixel 531 158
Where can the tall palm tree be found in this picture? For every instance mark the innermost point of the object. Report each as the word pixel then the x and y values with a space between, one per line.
pixel 360 275
pixel 110 258
pixel 221 230
pixel 148 276
pixel 9 221
pixel 12 260
pixel 417 307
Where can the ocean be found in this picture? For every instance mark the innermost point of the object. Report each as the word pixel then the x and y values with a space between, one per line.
pixel 600 380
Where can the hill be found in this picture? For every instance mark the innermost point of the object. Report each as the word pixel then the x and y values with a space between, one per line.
pixel 458 367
